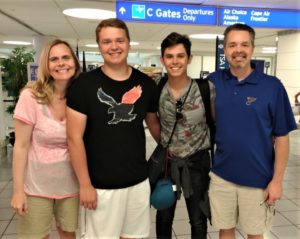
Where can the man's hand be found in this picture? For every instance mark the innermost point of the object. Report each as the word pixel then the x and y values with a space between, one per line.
pixel 273 192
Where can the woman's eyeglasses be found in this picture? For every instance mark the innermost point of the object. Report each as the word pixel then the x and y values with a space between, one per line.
pixel 179 106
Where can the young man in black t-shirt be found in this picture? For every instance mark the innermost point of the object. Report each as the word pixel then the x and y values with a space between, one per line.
pixel 106 109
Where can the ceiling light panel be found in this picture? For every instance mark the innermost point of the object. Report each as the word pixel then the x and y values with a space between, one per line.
pixel 89 13
pixel 22 43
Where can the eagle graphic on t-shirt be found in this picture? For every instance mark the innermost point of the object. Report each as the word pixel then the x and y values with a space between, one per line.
pixel 121 111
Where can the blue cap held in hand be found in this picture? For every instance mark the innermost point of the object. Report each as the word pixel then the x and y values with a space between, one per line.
pixel 163 195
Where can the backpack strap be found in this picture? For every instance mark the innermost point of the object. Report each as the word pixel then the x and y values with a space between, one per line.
pixel 161 85
pixel 205 94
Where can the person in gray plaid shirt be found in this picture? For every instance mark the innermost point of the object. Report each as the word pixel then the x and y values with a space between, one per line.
pixel 190 161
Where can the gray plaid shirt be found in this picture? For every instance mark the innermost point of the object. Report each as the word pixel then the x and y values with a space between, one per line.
pixel 191 133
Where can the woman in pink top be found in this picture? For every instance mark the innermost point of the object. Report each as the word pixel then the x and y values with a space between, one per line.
pixel 44 183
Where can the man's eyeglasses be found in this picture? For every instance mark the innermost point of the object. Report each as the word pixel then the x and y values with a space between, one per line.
pixel 179 106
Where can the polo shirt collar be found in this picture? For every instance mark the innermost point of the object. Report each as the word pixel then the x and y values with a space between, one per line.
pixel 253 78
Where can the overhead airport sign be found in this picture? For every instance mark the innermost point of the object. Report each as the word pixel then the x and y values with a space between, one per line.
pixel 267 18
pixel 166 13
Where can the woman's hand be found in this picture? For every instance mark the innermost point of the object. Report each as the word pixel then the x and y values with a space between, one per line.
pixel 19 203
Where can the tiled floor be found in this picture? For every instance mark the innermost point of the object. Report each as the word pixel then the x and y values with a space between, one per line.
pixel 286 223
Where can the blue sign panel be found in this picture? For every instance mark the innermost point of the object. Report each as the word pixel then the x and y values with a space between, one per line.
pixel 221 62
pixel 166 13
pixel 259 17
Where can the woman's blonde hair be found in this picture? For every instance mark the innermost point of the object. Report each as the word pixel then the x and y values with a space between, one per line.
pixel 43 88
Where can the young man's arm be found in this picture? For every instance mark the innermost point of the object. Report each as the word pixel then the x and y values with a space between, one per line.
pixel 274 189
pixel 76 123
pixel 153 124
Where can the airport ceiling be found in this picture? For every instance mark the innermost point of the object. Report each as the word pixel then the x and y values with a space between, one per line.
pixel 23 19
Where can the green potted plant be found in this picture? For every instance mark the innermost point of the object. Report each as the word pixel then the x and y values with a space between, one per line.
pixel 15 76
pixel 15 73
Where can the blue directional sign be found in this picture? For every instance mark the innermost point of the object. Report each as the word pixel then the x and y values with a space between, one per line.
pixel 166 13
pixel 267 18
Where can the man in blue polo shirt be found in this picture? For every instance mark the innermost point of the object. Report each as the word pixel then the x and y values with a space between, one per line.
pixel 253 120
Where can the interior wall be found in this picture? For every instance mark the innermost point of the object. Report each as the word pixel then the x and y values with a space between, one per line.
pixel 288 62
pixel 195 67
pixel 209 63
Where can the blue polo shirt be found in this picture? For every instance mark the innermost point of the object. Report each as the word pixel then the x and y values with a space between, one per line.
pixel 248 114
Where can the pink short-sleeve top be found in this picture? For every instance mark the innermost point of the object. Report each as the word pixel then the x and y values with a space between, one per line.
pixel 49 172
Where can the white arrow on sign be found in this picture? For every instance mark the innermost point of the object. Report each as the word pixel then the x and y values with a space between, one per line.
pixel 122 10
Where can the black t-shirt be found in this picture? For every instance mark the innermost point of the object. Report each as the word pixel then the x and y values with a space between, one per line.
pixel 114 137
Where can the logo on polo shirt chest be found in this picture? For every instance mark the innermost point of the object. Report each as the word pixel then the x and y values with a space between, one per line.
pixel 250 100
